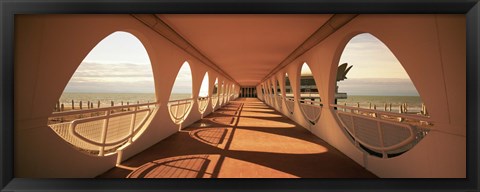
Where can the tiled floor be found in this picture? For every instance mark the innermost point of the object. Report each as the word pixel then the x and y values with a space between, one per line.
pixel 244 139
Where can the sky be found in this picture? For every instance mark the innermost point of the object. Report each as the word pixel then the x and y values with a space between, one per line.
pixel 204 87
pixel 120 64
pixel 375 71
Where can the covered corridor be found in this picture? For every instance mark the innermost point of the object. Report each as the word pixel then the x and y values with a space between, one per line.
pixel 244 139
pixel 307 120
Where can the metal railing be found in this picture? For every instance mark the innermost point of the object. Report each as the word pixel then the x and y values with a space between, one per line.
pixel 271 100
pixel 220 100
pixel 102 130
pixel 203 104
pixel 290 103
pixel 214 99
pixel 279 100
pixel 225 98
pixel 384 132
pixel 311 110
pixel 179 109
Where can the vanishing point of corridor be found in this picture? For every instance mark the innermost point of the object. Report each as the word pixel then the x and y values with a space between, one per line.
pixel 244 139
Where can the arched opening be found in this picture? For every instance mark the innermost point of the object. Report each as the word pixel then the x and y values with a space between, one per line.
pixel 289 97
pixel 222 94
pixel 271 95
pixel 310 101
pixel 215 94
pixel 181 102
pixel 278 96
pixel 272 87
pixel 233 93
pixel 203 96
pixel 262 86
pixel 109 98
pixel 378 105
pixel 227 92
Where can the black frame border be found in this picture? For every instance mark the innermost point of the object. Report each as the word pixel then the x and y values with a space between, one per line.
pixel 8 8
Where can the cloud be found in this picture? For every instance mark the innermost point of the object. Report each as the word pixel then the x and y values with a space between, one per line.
pixel 378 86
pixel 114 78
pixel 371 58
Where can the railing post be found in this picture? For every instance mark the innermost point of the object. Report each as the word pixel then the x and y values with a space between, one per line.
pixel 132 125
pixel 103 137
pixel 354 132
pixel 380 135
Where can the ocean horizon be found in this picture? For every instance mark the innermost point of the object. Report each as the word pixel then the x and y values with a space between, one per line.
pixel 414 102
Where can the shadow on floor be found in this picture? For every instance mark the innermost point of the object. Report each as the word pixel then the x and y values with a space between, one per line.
pixel 226 144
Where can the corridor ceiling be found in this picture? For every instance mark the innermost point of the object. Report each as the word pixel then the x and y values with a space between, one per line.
pixel 247 47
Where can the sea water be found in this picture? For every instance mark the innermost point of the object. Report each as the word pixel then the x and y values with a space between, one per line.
pixel 117 98
pixel 414 103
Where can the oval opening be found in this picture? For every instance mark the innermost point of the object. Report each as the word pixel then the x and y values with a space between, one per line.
pixel 110 96
pixel 289 97
pixel 279 97
pixel 215 94
pixel 377 87
pixel 310 101
pixel 203 96
pixel 180 102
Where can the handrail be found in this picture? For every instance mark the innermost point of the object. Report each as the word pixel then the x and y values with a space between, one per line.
pixel 290 103
pixel 180 100
pixel 74 137
pixel 74 124
pixel 379 130
pixel 279 99
pixel 77 112
pixel 406 116
pixel 214 99
pixel 220 99
pixel 203 103
pixel 313 114
pixel 310 102
pixel 179 118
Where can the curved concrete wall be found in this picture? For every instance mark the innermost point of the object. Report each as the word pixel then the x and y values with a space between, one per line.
pixel 49 48
pixel 432 50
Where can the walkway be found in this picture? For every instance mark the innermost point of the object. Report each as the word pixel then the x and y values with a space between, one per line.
pixel 245 139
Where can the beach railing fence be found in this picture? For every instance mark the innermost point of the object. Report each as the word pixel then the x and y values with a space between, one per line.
pixel 202 104
pixel 279 100
pixel 220 99
pixel 179 110
pixel 290 103
pixel 311 110
pixel 380 131
pixel 105 131
pixel 214 99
